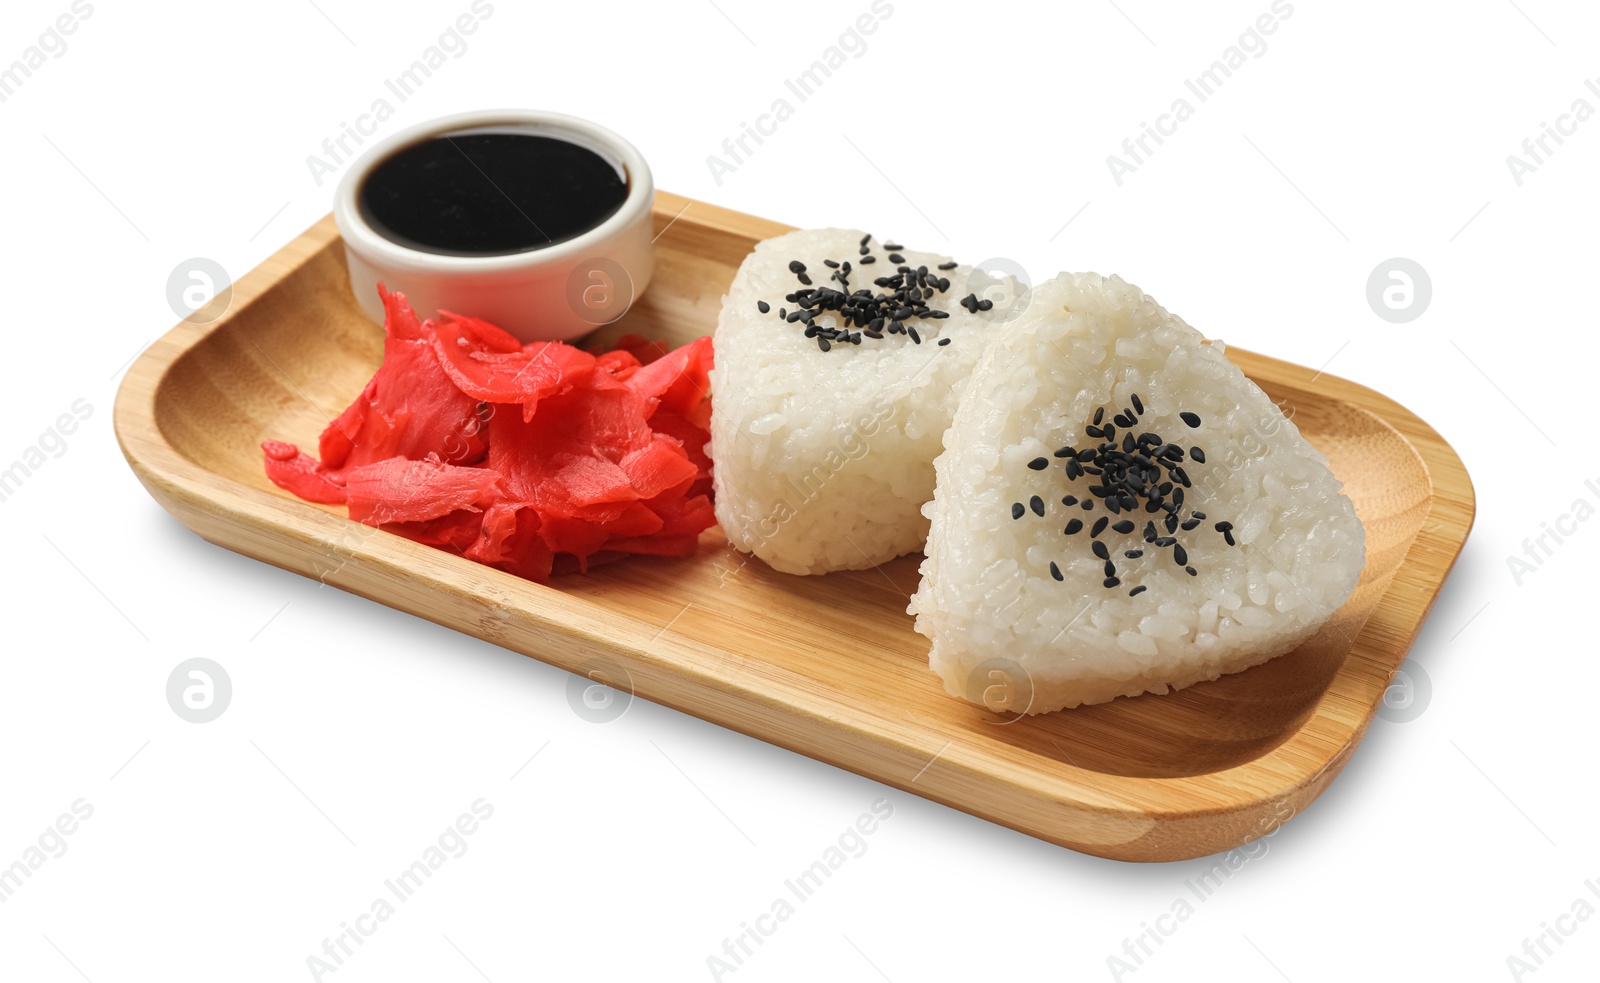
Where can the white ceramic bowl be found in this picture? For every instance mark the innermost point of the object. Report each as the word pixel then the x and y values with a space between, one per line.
pixel 554 293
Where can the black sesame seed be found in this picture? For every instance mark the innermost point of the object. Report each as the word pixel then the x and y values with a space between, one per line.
pixel 1180 556
pixel 1017 510
pixel 1112 582
pixel 895 247
pixel 1189 525
pixel 803 278
pixel 783 313
pixel 1055 571
pixel 1198 455
pixel 831 264
pixel 1100 550
pixel 822 343
pixel 1124 527
pixel 1138 407
pixel 1137 591
pixel 943 342
pixel 896 258
pixel 1111 569
pixel 1134 554
pixel 1073 527
pixel 1228 536
pixel 866 238
pixel 1088 504
pixel 1037 504
pixel 1099 526
pixel 1038 464
pixel 869 259
pixel 763 306
pixel 1099 414
pixel 1069 500
pixel 1190 571
pixel 949 266
pixel 1162 542
pixel 1191 419
pixel 795 266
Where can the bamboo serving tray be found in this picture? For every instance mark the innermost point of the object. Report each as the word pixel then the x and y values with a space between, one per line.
pixel 826 666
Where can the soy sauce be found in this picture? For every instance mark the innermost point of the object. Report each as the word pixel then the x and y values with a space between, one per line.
pixel 489 194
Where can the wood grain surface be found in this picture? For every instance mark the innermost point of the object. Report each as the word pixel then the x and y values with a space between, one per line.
pixel 826 666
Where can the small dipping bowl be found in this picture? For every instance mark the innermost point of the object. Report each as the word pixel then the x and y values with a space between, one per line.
pixel 552 292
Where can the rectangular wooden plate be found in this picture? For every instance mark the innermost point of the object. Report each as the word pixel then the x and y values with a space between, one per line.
pixel 826 666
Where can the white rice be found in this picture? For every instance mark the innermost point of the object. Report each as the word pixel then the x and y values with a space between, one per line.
pixel 824 459
pixel 987 598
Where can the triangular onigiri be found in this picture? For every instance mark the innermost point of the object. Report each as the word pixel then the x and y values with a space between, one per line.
pixel 826 419
pixel 1186 564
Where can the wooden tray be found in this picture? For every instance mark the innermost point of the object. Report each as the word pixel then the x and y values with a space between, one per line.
pixel 826 666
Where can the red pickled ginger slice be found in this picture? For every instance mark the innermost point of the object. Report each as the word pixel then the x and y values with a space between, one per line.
pixel 409 409
pixel 297 472
pixel 398 490
pixel 480 365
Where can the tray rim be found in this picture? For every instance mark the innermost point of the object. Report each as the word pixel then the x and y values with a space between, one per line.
pixel 680 674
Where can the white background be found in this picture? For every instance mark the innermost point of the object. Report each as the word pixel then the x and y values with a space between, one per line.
pixel 631 850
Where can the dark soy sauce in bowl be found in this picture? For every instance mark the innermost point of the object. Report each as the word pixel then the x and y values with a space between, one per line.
pixel 490 194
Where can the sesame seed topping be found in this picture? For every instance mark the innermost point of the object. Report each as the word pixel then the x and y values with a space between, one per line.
pixel 1037 504
pixel 1055 571
pixel 1123 474
pixel 763 306
pixel 1017 510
